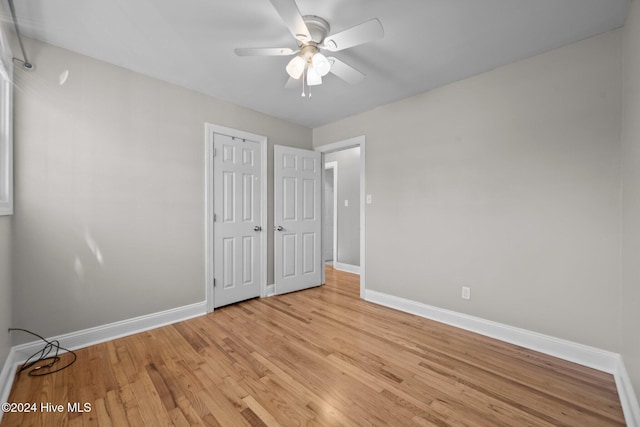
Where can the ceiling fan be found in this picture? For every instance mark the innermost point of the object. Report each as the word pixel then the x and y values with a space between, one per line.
pixel 311 33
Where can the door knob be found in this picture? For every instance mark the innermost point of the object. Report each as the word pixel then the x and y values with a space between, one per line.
pixel 279 228
pixel 257 228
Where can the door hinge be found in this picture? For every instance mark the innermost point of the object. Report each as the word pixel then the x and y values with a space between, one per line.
pixel 214 283
pixel 215 217
pixel 215 152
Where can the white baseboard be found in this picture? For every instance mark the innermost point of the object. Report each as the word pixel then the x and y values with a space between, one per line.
pixel 84 338
pixel 592 357
pixel 346 267
pixel 628 398
pixel 6 378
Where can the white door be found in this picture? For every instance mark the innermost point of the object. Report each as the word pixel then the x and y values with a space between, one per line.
pixel 236 228
pixel 297 220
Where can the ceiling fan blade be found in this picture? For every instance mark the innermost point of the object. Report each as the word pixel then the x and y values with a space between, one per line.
pixel 345 72
pixel 362 33
pixel 264 51
pixel 291 16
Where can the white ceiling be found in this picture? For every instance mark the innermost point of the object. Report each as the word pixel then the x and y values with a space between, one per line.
pixel 427 43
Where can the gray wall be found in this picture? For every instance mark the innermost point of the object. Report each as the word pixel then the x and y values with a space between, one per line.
pixel 630 298
pixel 348 216
pixel 109 194
pixel 507 182
pixel 5 258
pixel 5 287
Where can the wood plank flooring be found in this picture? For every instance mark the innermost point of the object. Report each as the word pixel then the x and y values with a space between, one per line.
pixel 318 357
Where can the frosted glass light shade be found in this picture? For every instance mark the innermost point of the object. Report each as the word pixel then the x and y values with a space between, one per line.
pixel 313 78
pixel 321 64
pixel 295 67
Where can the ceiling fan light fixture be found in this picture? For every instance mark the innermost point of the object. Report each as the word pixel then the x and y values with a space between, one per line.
pixel 312 35
pixel 313 78
pixel 295 67
pixel 321 64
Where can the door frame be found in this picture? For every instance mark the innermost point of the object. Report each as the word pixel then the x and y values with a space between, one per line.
pixel 210 129
pixel 334 166
pixel 358 141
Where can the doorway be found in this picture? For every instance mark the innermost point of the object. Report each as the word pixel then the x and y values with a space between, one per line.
pixel 349 205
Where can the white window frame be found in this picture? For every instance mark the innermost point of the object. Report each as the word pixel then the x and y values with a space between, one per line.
pixel 6 128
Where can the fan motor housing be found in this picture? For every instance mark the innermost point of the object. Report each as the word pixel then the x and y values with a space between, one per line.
pixel 318 28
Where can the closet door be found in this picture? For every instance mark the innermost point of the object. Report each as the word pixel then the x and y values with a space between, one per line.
pixel 236 227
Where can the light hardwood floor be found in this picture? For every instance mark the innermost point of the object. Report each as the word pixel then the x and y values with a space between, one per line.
pixel 318 357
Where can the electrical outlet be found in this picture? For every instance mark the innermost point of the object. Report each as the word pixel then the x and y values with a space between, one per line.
pixel 466 292
pixel 369 199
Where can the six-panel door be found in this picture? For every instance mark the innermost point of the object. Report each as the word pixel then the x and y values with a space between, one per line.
pixel 237 233
pixel 297 219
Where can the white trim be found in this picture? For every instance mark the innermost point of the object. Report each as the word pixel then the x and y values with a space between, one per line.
pixel 363 206
pixel 358 141
pixel 210 129
pixel 87 337
pixel 567 350
pixel 591 357
pixel 341 145
pixel 628 399
pixel 263 220
pixel 7 376
pixel 208 221
pixel 6 137
pixel 346 267
pixel 111 331
pixel 334 166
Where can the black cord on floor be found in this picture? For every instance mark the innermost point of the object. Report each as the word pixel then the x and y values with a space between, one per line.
pixel 44 356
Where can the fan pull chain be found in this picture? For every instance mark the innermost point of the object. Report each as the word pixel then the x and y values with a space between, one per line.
pixel 303 76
